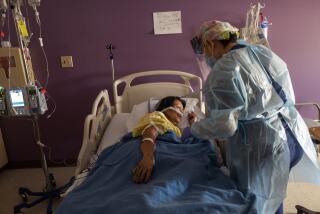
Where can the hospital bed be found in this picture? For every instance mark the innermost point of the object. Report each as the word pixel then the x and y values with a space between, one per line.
pixel 102 111
pixel 184 187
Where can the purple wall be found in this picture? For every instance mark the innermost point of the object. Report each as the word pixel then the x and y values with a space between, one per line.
pixel 82 29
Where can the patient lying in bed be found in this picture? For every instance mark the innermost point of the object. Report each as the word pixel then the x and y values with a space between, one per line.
pixel 166 118
pixel 185 178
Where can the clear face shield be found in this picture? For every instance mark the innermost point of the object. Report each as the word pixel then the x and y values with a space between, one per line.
pixel 202 60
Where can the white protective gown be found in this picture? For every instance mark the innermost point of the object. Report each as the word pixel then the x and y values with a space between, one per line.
pixel 244 108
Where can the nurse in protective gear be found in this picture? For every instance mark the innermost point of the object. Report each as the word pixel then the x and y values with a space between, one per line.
pixel 250 103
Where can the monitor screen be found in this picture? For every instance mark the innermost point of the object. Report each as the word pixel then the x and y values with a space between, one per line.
pixel 16 97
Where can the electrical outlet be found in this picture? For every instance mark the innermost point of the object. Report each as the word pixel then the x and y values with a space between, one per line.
pixel 66 62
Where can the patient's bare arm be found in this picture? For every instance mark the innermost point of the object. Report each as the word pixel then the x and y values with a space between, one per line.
pixel 142 172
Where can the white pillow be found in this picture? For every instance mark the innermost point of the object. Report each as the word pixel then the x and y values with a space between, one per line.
pixel 116 129
pixel 138 111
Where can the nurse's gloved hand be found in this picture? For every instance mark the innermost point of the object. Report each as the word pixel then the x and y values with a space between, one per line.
pixel 192 117
pixel 142 172
pixel 196 44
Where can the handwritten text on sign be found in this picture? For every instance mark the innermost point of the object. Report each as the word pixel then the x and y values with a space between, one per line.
pixel 167 22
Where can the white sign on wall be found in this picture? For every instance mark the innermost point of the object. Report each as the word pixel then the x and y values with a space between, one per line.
pixel 167 22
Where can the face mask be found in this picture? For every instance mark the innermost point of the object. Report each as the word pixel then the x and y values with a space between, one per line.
pixel 174 109
pixel 211 61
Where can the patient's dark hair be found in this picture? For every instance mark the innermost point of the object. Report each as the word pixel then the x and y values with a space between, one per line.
pixel 168 101
pixel 233 37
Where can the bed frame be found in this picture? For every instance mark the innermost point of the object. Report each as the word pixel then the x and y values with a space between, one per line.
pixel 94 126
pixel 136 94
pixel 101 114
pixel 299 106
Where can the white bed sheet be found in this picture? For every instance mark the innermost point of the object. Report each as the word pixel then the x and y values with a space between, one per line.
pixel 115 131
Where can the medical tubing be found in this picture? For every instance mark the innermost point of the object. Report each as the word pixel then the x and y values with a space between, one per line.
pixel 47 64
pixel 174 109
pixel 154 126
pixel 27 17
pixel 43 52
pixel 9 38
pixel 50 159
pixel 49 97
pixel 36 136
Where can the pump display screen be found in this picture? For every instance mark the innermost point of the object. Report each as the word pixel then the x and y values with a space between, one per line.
pixel 16 97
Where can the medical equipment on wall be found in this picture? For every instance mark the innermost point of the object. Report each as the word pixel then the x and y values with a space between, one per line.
pixel 22 101
pixel 256 29
pixel 110 47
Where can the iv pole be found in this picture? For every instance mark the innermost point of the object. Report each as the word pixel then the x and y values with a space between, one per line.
pixel 110 47
pixel 50 190
pixel 50 182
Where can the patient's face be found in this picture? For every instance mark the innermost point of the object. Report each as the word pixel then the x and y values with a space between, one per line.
pixel 172 115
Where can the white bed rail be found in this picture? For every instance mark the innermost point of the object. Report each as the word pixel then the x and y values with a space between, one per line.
pixel 138 93
pixel 312 123
pixel 94 127
pixel 315 105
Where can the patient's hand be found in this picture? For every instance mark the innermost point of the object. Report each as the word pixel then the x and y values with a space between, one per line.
pixel 192 117
pixel 142 172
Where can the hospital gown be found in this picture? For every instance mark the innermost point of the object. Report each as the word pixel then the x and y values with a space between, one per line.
pixel 158 120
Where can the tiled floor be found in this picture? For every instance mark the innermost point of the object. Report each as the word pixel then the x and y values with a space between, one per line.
pixel 304 186
pixel 11 180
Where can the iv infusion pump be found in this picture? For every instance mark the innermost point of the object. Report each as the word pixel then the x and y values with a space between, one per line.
pixel 22 101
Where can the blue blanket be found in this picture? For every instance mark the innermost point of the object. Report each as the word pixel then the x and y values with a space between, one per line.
pixel 185 179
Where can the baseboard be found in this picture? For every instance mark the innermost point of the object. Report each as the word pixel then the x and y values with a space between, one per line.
pixel 38 164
